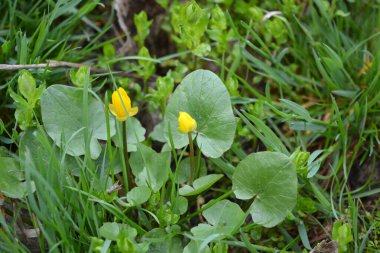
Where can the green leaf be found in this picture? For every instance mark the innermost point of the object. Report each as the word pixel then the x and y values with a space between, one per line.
pixel 62 116
pixel 158 133
pixel 138 195
pixel 203 95
pixel 165 86
pixel 345 93
pixel 180 205
pixel 163 3
pixel 225 214
pixel 27 86
pixel 185 171
pixel 342 234
pixel 202 50
pixel 109 230
pixel 306 126
pixel 194 246
pixel 11 180
pixel 6 47
pixel 199 185
pixel 112 230
pixel 297 109
pixel 78 78
pixel 148 66
pixel 135 134
pixel 263 132
pixel 224 218
pixel 31 146
pixel 218 19
pixel 142 26
pixel 24 110
pixel 35 146
pixel 190 22
pixel 271 178
pixel 162 242
pixel 109 51
pixel 125 244
pixel 149 167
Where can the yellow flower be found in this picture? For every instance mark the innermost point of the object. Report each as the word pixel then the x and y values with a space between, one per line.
pixel 121 105
pixel 186 123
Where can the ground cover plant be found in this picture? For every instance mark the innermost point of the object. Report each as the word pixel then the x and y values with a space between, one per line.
pixel 190 126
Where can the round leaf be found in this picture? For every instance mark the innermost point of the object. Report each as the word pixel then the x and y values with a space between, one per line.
pixel 149 167
pixel 226 214
pixel 203 95
pixel 31 148
pixel 62 114
pixel 271 178
pixel 138 195
pixel 223 218
pixel 11 180
pixel 110 230
pixel 180 206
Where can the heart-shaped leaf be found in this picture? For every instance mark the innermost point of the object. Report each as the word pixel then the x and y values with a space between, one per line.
pixel 12 182
pixel 271 178
pixel 149 167
pixel 225 213
pixel 63 117
pixel 223 218
pixel 203 95
pixel 112 230
pixel 138 195
pixel 32 147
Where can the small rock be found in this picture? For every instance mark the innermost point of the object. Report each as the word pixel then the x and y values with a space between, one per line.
pixel 326 247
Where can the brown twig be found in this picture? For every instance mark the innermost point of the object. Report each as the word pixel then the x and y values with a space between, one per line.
pixel 62 64
pixel 49 64
pixel 122 10
pixel 200 202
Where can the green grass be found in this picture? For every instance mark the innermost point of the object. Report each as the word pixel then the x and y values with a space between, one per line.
pixel 303 81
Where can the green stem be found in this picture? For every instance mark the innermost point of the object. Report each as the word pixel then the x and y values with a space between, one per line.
pixel 192 168
pixel 162 105
pixel 127 178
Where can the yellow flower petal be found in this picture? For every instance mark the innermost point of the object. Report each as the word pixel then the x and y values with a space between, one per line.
pixel 133 111
pixel 122 118
pixel 186 123
pixel 112 109
pixel 121 105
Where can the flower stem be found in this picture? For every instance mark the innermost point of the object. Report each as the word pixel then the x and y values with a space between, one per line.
pixel 128 177
pixel 192 168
